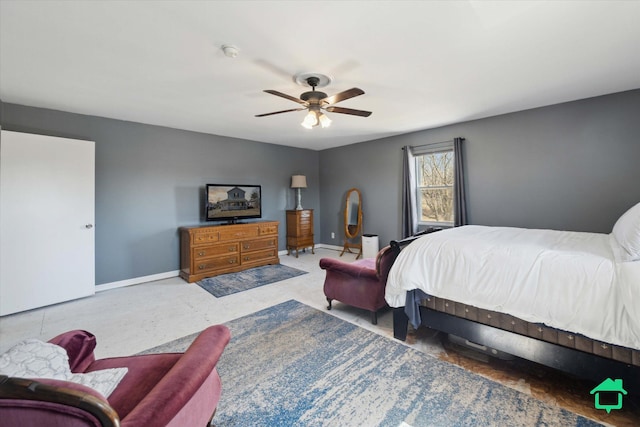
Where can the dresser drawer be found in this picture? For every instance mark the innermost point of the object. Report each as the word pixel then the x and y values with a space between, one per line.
pixel 266 229
pixel 305 226
pixel 300 241
pixel 250 257
pixel 255 245
pixel 305 241
pixel 216 263
pixel 305 221
pixel 200 238
pixel 238 233
pixel 215 250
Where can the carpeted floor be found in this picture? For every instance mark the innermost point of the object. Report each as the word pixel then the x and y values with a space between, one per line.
pixel 227 284
pixel 293 365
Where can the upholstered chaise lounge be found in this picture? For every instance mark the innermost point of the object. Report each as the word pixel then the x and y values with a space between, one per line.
pixel 168 389
pixel 361 283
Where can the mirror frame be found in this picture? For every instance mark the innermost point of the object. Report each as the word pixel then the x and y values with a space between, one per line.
pixel 352 231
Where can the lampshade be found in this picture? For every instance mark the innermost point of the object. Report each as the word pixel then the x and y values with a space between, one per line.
pixel 298 181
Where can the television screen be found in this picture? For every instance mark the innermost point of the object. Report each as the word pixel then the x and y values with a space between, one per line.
pixel 233 202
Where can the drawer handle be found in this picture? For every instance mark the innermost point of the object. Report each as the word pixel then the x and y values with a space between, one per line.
pixel 201 267
pixel 247 258
pixel 232 261
pixel 232 248
pixel 201 253
pixel 246 246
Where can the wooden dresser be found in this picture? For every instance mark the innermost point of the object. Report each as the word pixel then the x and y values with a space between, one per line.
pixel 299 230
pixel 207 251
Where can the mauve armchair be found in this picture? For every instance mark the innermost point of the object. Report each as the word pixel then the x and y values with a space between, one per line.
pixel 159 390
pixel 361 283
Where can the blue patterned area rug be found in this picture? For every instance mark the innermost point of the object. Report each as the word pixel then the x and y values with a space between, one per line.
pixel 293 365
pixel 227 284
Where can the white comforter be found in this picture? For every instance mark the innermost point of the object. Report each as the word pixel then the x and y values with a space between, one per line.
pixel 566 280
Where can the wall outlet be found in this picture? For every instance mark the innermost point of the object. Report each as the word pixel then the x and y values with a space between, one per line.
pixel 333 235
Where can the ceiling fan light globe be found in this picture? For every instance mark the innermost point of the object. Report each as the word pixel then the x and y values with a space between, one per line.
pixel 310 120
pixel 325 121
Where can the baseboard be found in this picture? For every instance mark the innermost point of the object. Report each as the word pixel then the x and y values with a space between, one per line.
pixel 332 247
pixel 169 274
pixel 317 246
pixel 136 281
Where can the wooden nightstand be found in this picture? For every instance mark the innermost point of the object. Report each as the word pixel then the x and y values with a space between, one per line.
pixel 300 230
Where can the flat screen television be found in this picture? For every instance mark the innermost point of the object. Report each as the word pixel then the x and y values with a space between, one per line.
pixel 233 203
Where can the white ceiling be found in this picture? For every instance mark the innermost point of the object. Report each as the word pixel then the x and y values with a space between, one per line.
pixel 422 64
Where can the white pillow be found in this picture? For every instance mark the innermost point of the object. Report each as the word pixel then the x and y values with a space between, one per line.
pixel 627 232
pixel 33 358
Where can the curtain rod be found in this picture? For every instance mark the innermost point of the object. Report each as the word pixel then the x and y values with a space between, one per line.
pixel 431 143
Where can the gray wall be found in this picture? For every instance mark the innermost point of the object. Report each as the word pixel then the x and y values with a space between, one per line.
pixel 150 180
pixel 572 166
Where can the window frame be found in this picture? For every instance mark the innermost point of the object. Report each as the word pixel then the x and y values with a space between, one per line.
pixel 417 154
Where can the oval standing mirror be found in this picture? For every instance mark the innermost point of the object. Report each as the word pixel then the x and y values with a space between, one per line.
pixel 352 221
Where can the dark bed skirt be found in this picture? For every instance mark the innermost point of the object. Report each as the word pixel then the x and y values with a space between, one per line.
pixel 534 330
pixel 574 354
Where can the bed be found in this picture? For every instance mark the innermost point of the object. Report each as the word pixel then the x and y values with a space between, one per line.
pixel 569 300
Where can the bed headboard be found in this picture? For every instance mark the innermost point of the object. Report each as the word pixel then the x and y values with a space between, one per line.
pixel 398 245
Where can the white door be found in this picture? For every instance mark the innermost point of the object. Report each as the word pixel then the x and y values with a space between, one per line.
pixel 47 187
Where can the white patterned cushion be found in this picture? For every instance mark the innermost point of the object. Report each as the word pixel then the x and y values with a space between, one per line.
pixel 33 358
pixel 103 381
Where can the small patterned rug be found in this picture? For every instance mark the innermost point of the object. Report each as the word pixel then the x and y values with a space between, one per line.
pixel 293 365
pixel 227 284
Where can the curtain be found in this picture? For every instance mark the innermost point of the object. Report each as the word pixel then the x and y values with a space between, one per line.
pixel 459 203
pixel 409 214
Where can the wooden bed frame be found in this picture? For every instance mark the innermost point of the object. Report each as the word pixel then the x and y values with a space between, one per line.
pixel 570 353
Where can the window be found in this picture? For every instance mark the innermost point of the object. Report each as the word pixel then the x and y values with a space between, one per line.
pixel 434 183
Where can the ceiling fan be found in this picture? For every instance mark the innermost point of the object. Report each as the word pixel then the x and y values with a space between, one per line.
pixel 317 102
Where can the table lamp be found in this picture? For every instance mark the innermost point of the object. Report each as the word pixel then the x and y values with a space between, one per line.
pixel 298 182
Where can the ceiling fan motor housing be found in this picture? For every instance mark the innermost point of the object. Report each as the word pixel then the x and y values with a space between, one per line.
pixel 313 97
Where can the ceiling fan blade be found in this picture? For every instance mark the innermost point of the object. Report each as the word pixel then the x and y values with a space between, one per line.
pixel 351 111
pixel 284 95
pixel 278 112
pixel 275 69
pixel 350 93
